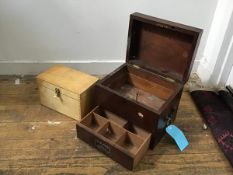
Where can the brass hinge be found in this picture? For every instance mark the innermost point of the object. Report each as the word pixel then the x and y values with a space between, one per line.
pixel 136 66
pixel 168 79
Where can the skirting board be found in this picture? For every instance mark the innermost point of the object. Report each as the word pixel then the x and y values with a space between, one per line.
pixel 34 68
pixel 100 68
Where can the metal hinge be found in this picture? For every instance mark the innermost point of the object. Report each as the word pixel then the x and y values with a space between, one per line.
pixel 136 66
pixel 168 79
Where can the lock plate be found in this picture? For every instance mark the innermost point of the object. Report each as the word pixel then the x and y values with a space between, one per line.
pixel 57 93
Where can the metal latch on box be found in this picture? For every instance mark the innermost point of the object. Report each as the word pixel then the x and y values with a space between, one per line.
pixel 57 93
pixel 136 66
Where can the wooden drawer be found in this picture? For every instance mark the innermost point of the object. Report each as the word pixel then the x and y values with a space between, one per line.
pixel 114 136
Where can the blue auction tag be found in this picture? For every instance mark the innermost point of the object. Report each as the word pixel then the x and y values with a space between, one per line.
pixel 178 136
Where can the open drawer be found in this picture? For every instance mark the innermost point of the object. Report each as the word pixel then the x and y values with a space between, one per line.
pixel 114 136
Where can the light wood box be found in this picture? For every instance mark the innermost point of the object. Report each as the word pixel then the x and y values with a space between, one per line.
pixel 66 90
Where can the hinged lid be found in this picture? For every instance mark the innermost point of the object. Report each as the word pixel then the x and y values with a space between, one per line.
pixel 162 46
pixel 68 79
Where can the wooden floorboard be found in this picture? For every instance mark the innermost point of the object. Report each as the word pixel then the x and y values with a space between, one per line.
pixel 37 140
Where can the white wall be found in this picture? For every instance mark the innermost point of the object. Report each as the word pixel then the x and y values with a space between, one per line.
pixel 222 74
pixel 39 32
pixel 218 43
pixel 230 78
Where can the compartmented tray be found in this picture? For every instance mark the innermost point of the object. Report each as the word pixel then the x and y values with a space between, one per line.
pixel 114 136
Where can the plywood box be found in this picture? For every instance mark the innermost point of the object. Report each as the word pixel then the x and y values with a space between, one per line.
pixel 66 90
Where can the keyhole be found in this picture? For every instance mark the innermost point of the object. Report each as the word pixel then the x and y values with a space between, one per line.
pixel 57 92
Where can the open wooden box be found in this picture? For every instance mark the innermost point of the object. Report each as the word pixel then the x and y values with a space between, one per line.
pixel 145 91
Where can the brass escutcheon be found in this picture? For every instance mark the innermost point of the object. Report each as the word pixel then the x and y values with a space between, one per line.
pixel 57 92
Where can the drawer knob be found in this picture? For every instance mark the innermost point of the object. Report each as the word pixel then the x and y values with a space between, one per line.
pixel 57 93
pixel 140 115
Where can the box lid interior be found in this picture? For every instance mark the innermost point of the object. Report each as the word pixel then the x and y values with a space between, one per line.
pixel 68 79
pixel 162 46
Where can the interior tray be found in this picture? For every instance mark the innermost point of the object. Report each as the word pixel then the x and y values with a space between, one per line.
pixel 141 86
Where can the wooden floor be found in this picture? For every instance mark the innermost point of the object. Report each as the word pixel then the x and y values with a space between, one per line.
pixel 36 140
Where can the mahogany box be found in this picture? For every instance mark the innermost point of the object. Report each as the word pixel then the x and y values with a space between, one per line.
pixel 136 102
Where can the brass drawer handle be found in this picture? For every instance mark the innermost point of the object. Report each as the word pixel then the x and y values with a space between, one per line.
pixel 57 93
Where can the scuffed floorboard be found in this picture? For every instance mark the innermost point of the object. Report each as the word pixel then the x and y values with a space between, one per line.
pixel 37 140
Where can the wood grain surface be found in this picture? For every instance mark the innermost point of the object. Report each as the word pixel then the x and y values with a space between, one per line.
pixel 36 140
pixel 68 86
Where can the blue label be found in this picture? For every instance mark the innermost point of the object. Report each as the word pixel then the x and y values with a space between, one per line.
pixel 178 136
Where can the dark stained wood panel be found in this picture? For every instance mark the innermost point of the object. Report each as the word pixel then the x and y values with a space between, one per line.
pixel 162 46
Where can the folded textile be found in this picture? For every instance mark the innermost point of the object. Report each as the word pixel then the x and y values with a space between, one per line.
pixel 230 90
pixel 218 117
pixel 227 98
